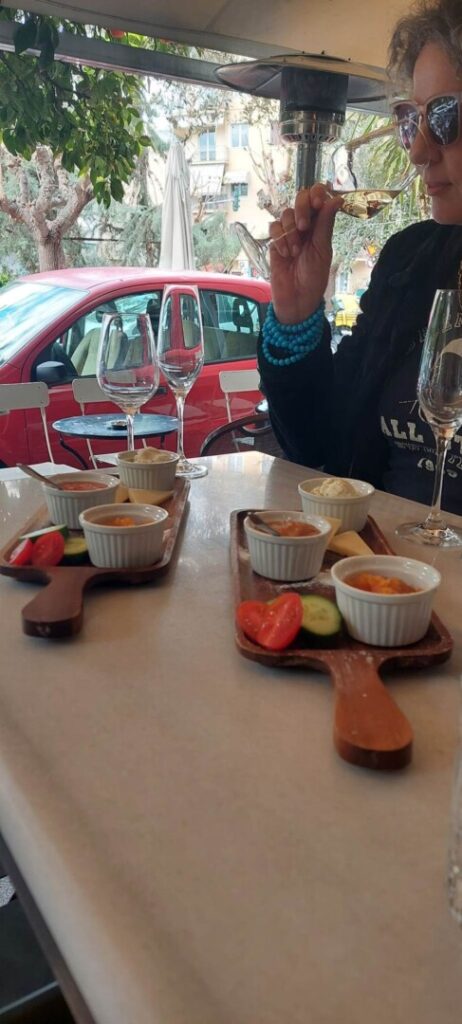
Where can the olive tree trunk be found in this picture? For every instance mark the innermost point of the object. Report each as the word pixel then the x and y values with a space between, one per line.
pixel 54 208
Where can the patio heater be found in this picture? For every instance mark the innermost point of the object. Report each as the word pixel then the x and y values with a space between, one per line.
pixel 313 92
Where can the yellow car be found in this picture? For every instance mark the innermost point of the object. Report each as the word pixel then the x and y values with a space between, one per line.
pixel 346 309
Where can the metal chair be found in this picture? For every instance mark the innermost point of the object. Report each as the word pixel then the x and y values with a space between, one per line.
pixel 249 433
pixel 235 381
pixel 27 396
pixel 86 390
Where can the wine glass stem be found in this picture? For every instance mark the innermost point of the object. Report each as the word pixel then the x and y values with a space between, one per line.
pixel 130 432
pixel 434 519
pixel 180 399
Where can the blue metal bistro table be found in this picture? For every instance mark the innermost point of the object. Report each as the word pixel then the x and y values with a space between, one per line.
pixel 109 426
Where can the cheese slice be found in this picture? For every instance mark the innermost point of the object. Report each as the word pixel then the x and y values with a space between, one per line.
pixel 121 494
pixel 349 543
pixel 143 497
pixel 334 526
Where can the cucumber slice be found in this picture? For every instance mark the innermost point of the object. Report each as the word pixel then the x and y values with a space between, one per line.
pixel 75 551
pixel 47 529
pixel 321 619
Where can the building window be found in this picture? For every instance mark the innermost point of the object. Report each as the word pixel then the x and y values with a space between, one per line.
pixel 239 190
pixel 239 136
pixel 207 145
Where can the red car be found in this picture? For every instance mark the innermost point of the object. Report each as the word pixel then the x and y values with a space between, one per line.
pixel 49 327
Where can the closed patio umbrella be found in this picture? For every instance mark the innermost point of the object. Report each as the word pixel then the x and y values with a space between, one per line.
pixel 176 248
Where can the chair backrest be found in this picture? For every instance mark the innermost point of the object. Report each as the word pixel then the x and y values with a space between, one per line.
pixel 235 381
pixel 23 396
pixel 33 395
pixel 249 433
pixel 87 389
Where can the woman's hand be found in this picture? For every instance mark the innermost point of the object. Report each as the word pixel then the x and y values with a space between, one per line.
pixel 300 262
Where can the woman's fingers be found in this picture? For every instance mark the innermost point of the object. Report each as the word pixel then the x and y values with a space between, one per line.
pixel 314 211
pixel 285 237
pixel 303 209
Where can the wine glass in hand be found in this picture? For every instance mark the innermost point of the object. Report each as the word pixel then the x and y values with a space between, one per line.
pixel 439 390
pixel 369 172
pixel 127 367
pixel 180 350
pixel 366 173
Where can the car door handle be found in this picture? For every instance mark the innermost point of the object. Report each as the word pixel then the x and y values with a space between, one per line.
pixel 161 391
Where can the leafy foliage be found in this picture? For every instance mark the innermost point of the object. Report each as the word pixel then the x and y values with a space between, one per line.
pixel 215 246
pixel 355 238
pixel 90 117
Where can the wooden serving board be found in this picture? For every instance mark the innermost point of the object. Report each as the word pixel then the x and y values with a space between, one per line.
pixel 57 610
pixel 370 730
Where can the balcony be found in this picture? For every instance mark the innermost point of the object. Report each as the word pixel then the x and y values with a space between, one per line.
pixel 212 155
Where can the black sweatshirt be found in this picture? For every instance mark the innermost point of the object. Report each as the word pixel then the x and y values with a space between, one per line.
pixel 355 413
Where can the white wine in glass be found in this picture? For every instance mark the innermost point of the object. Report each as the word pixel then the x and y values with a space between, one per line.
pixel 439 390
pixel 180 351
pixel 362 173
pixel 127 369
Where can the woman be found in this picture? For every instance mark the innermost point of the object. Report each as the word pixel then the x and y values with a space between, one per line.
pixel 355 413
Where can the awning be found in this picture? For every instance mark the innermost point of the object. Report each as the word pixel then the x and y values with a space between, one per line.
pixel 236 178
pixel 206 179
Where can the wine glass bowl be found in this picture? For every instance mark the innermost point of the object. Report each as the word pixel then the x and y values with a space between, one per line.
pixel 127 369
pixel 439 390
pixel 367 172
pixel 180 350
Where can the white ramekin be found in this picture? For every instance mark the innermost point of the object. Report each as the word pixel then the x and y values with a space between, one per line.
pixel 386 620
pixel 286 558
pixel 352 511
pixel 124 547
pixel 64 507
pixel 148 476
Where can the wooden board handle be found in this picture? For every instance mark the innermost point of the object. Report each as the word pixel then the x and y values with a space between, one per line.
pixel 57 609
pixel 370 730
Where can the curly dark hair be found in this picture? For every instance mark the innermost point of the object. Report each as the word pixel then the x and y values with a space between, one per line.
pixel 430 21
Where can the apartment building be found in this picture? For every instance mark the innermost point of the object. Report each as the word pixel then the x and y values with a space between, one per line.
pixel 232 163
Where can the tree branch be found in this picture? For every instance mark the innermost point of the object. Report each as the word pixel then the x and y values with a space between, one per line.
pixel 17 211
pixel 78 198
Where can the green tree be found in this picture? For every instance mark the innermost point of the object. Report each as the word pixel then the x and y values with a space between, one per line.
pixel 215 246
pixel 89 117
pixel 48 200
pixel 354 238
pixel 70 134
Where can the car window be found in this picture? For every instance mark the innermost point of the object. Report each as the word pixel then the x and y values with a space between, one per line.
pixel 77 347
pixel 26 307
pixel 232 325
pixel 190 321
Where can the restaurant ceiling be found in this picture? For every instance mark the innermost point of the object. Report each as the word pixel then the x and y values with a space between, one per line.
pixel 355 30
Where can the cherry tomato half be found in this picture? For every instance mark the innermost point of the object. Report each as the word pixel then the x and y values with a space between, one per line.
pixel 249 616
pixel 281 622
pixel 22 553
pixel 48 549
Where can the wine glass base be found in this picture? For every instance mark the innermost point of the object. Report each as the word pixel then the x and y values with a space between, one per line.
pixel 437 537
pixel 190 470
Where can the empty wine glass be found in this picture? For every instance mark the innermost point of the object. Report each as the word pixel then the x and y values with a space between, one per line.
pixel 439 390
pixel 367 172
pixel 127 368
pixel 180 350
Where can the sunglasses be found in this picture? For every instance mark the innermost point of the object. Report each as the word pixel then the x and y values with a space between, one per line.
pixel 441 116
